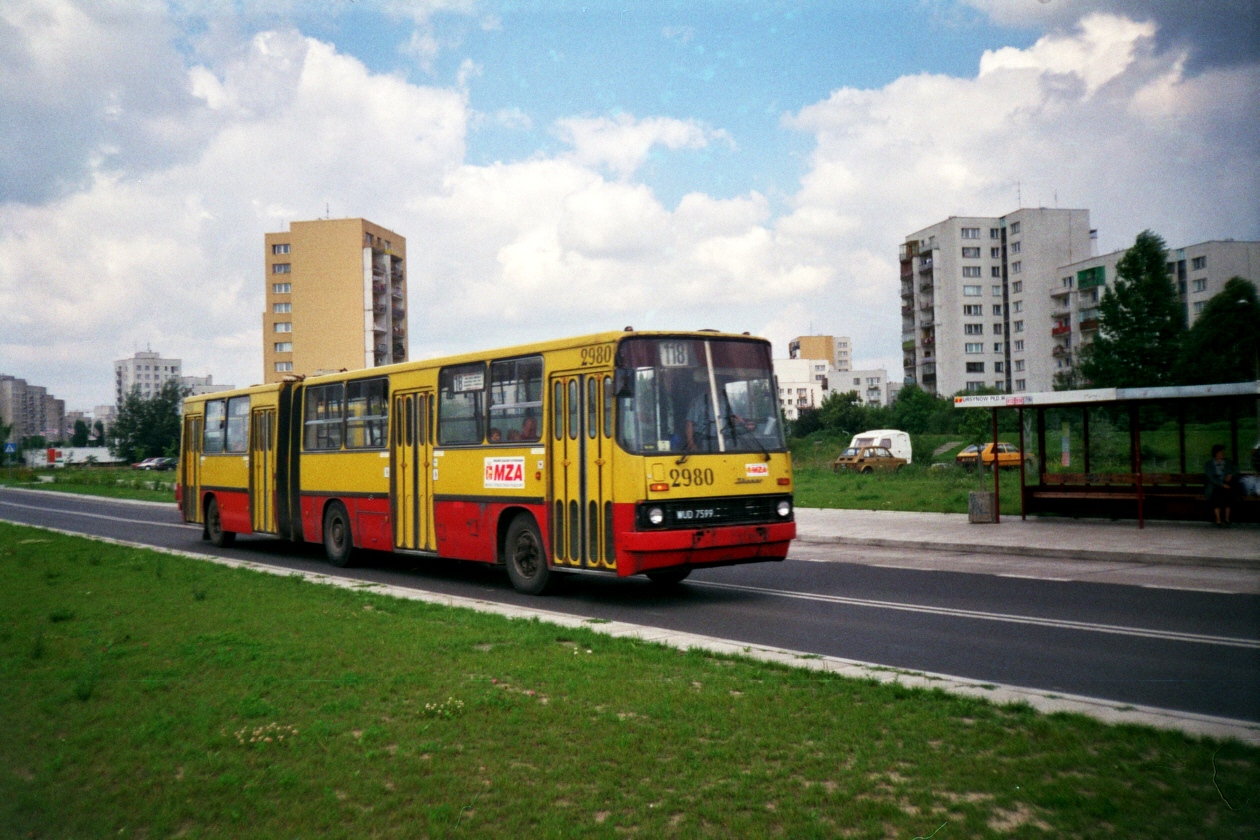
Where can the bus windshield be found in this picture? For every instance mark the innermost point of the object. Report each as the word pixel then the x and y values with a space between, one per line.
pixel 697 395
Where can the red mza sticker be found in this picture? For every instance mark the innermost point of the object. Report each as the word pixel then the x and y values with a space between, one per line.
pixel 756 470
pixel 505 473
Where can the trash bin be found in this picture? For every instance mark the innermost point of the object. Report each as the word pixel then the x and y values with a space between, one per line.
pixel 980 505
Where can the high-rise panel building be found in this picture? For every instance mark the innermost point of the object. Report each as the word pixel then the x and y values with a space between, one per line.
pixel 30 410
pixel 838 351
pixel 146 372
pixel 336 292
pixel 1198 272
pixel 975 298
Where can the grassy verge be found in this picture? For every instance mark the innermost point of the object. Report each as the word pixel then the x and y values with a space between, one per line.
pixel 148 695
pixel 911 488
pixel 110 482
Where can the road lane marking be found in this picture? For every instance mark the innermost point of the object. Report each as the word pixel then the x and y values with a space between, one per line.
pixel 98 516
pixel 1057 623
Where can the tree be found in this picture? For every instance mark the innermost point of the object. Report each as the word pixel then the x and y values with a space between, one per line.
pixel 1141 322
pixel 843 412
pixel 1224 343
pixel 918 412
pixel 148 428
pixel 80 436
pixel 98 431
pixel 806 422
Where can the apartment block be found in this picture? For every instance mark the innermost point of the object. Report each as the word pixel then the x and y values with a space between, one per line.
pixel 803 383
pixel 871 385
pixel 146 371
pixel 336 292
pixel 1197 271
pixel 203 385
pixel 835 350
pixel 975 296
pixel 30 410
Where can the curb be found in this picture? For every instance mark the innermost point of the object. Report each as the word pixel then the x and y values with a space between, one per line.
pixel 89 496
pixel 1035 551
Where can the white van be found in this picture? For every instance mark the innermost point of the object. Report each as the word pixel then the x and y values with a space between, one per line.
pixel 898 443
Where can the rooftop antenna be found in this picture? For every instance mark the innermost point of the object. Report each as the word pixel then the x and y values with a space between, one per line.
pixel 1019 200
pixel 327 212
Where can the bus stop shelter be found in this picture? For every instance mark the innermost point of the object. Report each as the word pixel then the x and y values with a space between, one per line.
pixel 1128 453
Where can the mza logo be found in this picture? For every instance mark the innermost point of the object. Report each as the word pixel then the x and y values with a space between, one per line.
pixel 505 473
pixel 756 470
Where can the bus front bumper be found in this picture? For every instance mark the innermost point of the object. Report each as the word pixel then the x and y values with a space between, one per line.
pixel 724 545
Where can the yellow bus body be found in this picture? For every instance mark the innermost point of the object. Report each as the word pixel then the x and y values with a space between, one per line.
pixel 364 452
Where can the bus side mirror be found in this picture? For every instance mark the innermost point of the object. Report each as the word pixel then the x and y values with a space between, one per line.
pixel 623 382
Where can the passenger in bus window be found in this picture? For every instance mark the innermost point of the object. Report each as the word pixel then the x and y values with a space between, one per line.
pixel 495 436
pixel 529 426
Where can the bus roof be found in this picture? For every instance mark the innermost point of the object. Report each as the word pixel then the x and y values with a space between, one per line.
pixel 441 361
pixel 525 350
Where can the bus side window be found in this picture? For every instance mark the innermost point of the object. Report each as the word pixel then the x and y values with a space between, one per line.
pixel 366 413
pixel 323 419
pixel 516 388
pixel 215 416
pixel 462 391
pixel 237 439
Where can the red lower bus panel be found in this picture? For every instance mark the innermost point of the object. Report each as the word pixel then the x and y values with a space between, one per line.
pixel 370 522
pixel 641 551
pixel 233 510
pixel 469 530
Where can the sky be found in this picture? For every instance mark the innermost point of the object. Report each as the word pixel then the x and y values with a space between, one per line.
pixel 560 167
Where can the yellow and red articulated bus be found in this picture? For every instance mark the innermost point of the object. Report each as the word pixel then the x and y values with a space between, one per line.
pixel 620 453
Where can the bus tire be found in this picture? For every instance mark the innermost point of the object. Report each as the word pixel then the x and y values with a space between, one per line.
pixel 338 538
pixel 867 471
pixel 214 526
pixel 669 577
pixel 525 558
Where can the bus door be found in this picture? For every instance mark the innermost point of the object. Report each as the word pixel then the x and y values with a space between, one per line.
pixel 190 468
pixel 262 470
pixel 581 470
pixel 411 460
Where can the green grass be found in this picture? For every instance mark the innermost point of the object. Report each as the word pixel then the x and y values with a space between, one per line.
pixel 110 482
pixel 911 488
pixel 147 695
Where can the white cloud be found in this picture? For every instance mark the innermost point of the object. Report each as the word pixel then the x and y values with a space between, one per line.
pixel 623 143
pixel 1093 118
pixel 166 249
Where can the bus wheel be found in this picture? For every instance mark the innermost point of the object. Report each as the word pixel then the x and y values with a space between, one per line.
pixel 669 577
pixel 525 559
pixel 338 539
pixel 214 526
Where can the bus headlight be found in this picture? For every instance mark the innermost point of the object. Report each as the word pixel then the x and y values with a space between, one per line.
pixel 785 508
pixel 656 516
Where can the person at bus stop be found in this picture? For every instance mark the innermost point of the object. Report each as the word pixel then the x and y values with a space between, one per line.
pixel 1220 480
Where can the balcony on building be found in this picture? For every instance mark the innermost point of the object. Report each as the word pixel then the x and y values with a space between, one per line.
pixel 1089 325
pixel 1061 329
pixel 925 264
pixel 1090 278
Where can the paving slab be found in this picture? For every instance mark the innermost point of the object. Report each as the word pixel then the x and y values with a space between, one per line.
pixel 1185 543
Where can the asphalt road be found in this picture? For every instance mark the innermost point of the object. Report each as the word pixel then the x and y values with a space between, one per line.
pixel 1171 644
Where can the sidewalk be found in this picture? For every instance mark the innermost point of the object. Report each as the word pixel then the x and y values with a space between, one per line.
pixel 1183 543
